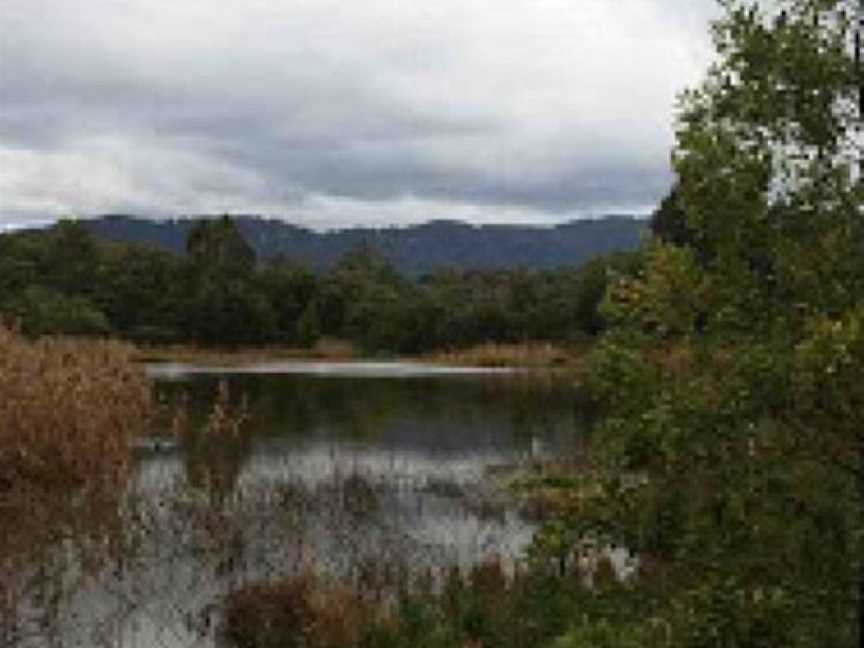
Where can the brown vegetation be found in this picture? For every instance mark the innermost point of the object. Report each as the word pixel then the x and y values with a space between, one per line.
pixel 489 604
pixel 303 611
pixel 528 354
pixel 69 410
pixel 324 349
pixel 534 355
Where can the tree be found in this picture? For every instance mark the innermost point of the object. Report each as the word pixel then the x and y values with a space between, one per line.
pixel 72 258
pixel 229 312
pixel 226 306
pixel 218 246
pixel 142 291
pixel 361 299
pixel 669 222
pixel 42 311
pixel 289 288
pixel 308 326
pixel 732 374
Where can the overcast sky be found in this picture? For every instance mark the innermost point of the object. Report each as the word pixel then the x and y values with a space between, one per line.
pixel 332 113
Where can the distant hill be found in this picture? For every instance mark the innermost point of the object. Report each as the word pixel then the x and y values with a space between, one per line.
pixel 413 250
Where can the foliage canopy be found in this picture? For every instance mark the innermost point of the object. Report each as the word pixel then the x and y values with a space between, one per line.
pixel 732 372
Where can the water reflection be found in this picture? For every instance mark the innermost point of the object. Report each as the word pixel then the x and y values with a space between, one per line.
pixel 339 468
pixel 406 430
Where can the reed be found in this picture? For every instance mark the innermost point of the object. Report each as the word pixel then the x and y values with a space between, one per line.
pixel 69 410
pixel 305 611
pixel 485 605
pixel 323 349
pixel 527 354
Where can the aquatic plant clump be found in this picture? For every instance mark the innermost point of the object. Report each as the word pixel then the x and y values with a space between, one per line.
pixel 69 410
pixel 484 605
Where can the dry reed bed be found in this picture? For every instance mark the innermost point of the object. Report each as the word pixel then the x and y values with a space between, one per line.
pixel 527 354
pixel 324 349
pixel 68 412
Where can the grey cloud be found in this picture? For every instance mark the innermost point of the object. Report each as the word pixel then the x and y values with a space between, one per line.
pixel 271 106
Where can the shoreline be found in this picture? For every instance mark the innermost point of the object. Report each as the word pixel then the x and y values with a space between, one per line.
pixel 532 355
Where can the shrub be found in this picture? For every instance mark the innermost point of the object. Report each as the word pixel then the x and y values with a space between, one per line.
pixel 43 311
pixel 299 612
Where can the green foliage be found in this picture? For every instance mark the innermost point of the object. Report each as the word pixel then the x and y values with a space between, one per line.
pixel 289 288
pixel 216 295
pixel 42 311
pixel 141 291
pixel 731 374
pixel 600 635
pixel 309 326
pixel 591 282
pixel 217 246
pixel 368 301
pixel 224 311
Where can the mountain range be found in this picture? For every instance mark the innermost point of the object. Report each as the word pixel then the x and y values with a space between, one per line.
pixel 414 250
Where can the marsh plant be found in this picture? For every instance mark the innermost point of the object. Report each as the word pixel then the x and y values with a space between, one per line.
pixel 487 604
pixel 69 412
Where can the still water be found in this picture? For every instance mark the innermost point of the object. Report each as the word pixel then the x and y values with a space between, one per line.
pixel 339 466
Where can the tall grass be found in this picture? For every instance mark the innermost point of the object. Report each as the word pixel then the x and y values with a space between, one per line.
pixel 484 606
pixel 68 412
pixel 526 354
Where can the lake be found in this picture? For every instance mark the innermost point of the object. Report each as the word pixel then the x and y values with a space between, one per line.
pixel 360 470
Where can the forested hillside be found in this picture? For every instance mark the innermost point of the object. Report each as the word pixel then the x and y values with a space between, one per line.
pixel 412 250
pixel 64 279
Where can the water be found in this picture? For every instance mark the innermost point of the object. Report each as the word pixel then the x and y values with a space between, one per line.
pixel 342 467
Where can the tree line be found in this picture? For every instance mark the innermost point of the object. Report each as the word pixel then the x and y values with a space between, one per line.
pixel 66 280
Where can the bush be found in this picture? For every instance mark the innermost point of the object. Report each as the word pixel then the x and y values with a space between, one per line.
pixel 484 606
pixel 42 311
pixel 299 612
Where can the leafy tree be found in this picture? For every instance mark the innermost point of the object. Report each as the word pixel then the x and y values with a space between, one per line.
pixel 42 311
pixel 226 312
pixel 225 307
pixel 290 289
pixel 361 300
pixel 19 267
pixel 218 246
pixel 142 291
pixel 309 326
pixel 72 258
pixel 732 373
pixel 669 221
pixel 591 281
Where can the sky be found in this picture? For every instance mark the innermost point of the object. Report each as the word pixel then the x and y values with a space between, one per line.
pixel 336 113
